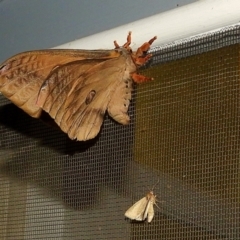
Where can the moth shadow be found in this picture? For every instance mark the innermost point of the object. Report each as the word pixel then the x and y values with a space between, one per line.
pixel 71 172
pixel 64 181
pixel 75 181
pixel 135 221
pixel 45 131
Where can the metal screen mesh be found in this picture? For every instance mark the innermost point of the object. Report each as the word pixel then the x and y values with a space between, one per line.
pixel 184 133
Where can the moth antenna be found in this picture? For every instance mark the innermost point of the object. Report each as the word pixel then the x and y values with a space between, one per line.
pixel 155 184
pixel 151 189
pixel 152 40
pixel 147 188
pixel 128 40
pixel 145 47
pixel 116 44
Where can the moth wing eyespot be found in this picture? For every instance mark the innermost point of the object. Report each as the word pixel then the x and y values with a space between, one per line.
pixel 90 97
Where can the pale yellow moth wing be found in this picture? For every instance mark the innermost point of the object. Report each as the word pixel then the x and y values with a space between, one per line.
pixel 150 209
pixel 150 212
pixel 78 104
pixel 22 75
pixel 137 210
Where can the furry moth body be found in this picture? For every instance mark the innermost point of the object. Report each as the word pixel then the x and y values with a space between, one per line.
pixel 142 209
pixel 76 87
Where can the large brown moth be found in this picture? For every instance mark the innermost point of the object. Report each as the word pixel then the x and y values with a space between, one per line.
pixel 76 87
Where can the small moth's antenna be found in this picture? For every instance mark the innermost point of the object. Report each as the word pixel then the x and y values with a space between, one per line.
pixel 150 190
pixel 155 184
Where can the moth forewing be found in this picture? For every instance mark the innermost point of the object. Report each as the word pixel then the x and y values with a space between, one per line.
pixel 136 211
pixel 142 209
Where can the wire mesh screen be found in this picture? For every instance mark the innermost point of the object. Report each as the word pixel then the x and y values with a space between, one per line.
pixel 183 135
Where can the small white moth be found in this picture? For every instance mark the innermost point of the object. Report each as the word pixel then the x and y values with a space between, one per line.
pixel 143 208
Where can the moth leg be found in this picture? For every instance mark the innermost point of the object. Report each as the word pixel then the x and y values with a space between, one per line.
pixel 137 78
pixel 145 47
pixel 142 60
pixel 157 205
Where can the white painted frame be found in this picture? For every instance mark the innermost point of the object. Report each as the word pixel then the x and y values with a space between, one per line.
pixel 179 23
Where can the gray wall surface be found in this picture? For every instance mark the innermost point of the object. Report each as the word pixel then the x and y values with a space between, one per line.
pixel 36 24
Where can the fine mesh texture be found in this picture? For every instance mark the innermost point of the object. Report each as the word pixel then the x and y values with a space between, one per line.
pixel 183 135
